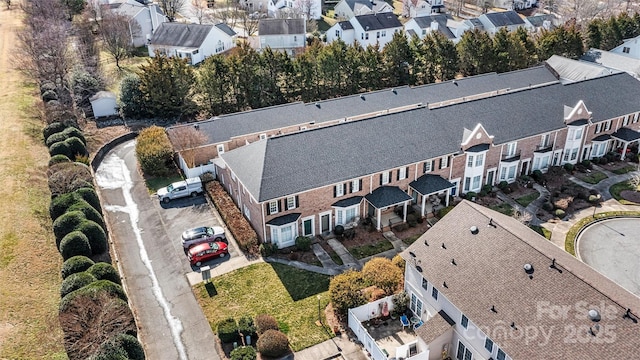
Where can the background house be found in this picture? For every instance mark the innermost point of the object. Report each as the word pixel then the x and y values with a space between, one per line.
pixel 423 25
pixel 148 18
pixel 614 61
pixel 191 41
pixel 629 47
pixel 287 35
pixel 308 9
pixel 493 22
pixel 346 9
pixel 367 29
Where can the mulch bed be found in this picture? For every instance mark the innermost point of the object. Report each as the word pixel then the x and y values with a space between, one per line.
pixel 630 195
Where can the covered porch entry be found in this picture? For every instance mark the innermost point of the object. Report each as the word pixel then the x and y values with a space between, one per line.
pixel 428 189
pixel 383 200
pixel 625 137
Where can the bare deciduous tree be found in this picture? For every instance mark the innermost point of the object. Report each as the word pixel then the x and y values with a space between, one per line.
pixel 117 32
pixel 171 8
pixel 201 11
pixel 186 139
pixel 249 23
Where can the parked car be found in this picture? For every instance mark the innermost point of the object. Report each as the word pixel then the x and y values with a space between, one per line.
pixel 207 251
pixel 188 187
pixel 202 235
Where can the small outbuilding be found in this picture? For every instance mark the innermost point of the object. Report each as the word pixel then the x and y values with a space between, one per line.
pixel 103 103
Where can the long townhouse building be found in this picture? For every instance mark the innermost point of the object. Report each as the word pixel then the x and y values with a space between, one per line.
pixel 308 182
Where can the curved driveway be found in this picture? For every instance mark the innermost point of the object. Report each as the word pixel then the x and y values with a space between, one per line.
pixel 612 247
pixel 146 237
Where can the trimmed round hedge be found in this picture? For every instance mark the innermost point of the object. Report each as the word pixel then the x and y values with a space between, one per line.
pixel 62 203
pixel 96 235
pixel 61 148
pixel 105 271
pixel 73 244
pixel 67 223
pixel 265 322
pixel 76 146
pixel 57 159
pixel 109 351
pixel 89 212
pixel 243 353
pixel 228 330
pixel 54 138
pixel 74 132
pixel 93 290
pixel 89 195
pixel 75 282
pixel 53 128
pixel 130 344
pixel 75 265
pixel 273 343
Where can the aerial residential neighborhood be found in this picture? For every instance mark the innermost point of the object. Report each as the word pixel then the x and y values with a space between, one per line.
pixel 416 180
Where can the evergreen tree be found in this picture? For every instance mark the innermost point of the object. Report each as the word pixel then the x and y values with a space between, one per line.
pixel 397 60
pixel 371 68
pixel 215 84
pixel 446 57
pixel 166 85
pixel 530 55
pixel 594 34
pixel 132 104
pixel 476 53
pixel 564 41
pixel 423 51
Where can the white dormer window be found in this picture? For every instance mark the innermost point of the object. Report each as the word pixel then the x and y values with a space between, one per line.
pixel 220 149
pixel 263 136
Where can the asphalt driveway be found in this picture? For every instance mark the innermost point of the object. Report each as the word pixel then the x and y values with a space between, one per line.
pixel 146 236
pixel 612 247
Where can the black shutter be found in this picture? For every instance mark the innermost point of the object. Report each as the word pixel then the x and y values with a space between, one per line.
pixel 433 165
pixel 335 191
pixel 297 203
pixel 279 205
pixel 350 187
pixel 380 179
pixel 268 209
pixel 286 204
pixel 424 167
pixel 360 187
pixel 406 173
pixel 398 175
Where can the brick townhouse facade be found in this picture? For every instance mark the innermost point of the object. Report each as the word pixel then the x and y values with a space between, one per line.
pixel 308 182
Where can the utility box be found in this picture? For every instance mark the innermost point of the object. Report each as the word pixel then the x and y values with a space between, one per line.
pixel 206 273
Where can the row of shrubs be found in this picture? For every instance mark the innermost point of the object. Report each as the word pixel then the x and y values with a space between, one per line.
pixel 94 313
pixel 271 341
pixel 238 226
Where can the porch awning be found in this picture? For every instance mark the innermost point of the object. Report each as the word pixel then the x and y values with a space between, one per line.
pixel 435 327
pixel 626 134
pixel 600 138
pixel 348 202
pixel 284 219
pixel 429 184
pixel 387 196
pixel 478 148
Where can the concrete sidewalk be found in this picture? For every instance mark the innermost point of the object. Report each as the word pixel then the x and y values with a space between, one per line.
pixel 340 347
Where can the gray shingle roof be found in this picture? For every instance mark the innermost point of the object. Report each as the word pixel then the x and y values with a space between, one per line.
pixel 281 27
pixel 429 184
pixel 626 134
pixel 435 327
pixel 425 22
pixel 179 34
pixel 378 21
pixel 489 265
pixel 345 25
pixel 228 126
pixel 538 20
pixel 284 219
pixel 573 70
pixel 226 29
pixel 504 18
pixel 357 148
pixel 479 148
pixel 613 60
pixel 348 202
pixel 603 137
pixel 386 196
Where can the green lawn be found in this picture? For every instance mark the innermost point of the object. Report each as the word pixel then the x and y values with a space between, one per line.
pixel 593 177
pixel 542 231
pixel 626 169
pixel 527 199
pixel 411 239
pixel 503 208
pixel 155 183
pixel 570 240
pixel 616 189
pixel 361 252
pixel 287 293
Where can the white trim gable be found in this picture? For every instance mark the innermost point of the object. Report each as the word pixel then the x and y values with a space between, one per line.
pixel 478 133
pixel 578 112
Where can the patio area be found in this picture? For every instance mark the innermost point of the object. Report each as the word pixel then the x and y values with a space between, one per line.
pixel 390 335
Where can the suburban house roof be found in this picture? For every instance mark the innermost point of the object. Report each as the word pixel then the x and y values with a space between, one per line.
pixel 226 29
pixel 424 22
pixel 574 70
pixel 345 25
pixel 539 19
pixel 348 202
pixel 626 134
pixel 504 18
pixel 281 27
pixel 375 6
pixel 225 127
pixel 284 219
pixel 378 21
pixel 489 263
pixel 437 325
pixel 270 168
pixel 386 196
pixel 429 184
pixel 103 95
pixel 179 34
pixel 475 23
pixel 613 60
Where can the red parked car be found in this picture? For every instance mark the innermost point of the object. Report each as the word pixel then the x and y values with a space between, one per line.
pixel 207 251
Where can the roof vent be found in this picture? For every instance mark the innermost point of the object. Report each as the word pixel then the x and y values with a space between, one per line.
pixel 196 126
pixel 444 283
pixel 362 96
pixel 426 243
pixel 594 315
pixel 444 247
pixel 474 230
pixel 528 268
pixel 492 224
pixel 419 268
pixel 493 309
pixel 394 91
pixel 513 326
pixel 553 265
pixel 628 315
pixel 454 83
pixel 453 262
pixel 413 255
pixel 318 105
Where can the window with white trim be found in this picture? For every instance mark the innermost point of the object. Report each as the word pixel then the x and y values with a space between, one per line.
pixel 402 173
pixel 574 154
pixel 508 171
pixel 467 183
pixel 635 117
pixel 434 293
pixel 476 182
pixel 511 149
pixel 469 160
pixel 454 189
pixel 540 162
pixel 479 160
pixel 463 353
pixel 220 149
pixel 339 190
pixel 488 345
pixel 464 321
pixel 598 128
pixel 425 284
pixel 355 185
pixel 607 125
pixel 598 149
pixel 444 162
pixel 347 214
pixel 415 305
pixel 384 178
pixel 501 355
pixel 545 140
pixel 291 202
pixel 247 213
pixel 578 134
pixel 625 120
pixel 427 166
pixel 273 207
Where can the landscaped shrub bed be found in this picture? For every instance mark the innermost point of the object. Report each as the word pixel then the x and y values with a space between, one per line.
pixel 238 226
pixel 273 343
pixel 94 314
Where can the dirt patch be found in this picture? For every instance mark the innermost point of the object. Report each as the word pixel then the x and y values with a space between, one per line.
pixel 630 195
pixel 97 137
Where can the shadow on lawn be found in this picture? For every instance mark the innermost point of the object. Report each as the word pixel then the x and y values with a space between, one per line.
pixel 300 284
pixel 211 289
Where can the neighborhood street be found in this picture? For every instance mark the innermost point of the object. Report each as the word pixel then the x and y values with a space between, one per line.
pixel 149 254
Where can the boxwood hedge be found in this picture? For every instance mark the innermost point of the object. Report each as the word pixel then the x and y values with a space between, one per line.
pixel 75 282
pixel 53 128
pixel 228 330
pixel 61 148
pixel 75 264
pixel 105 271
pixel 73 244
pixel 57 159
pixel 96 235
pixel 93 290
pixel 273 343
pixel 67 223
